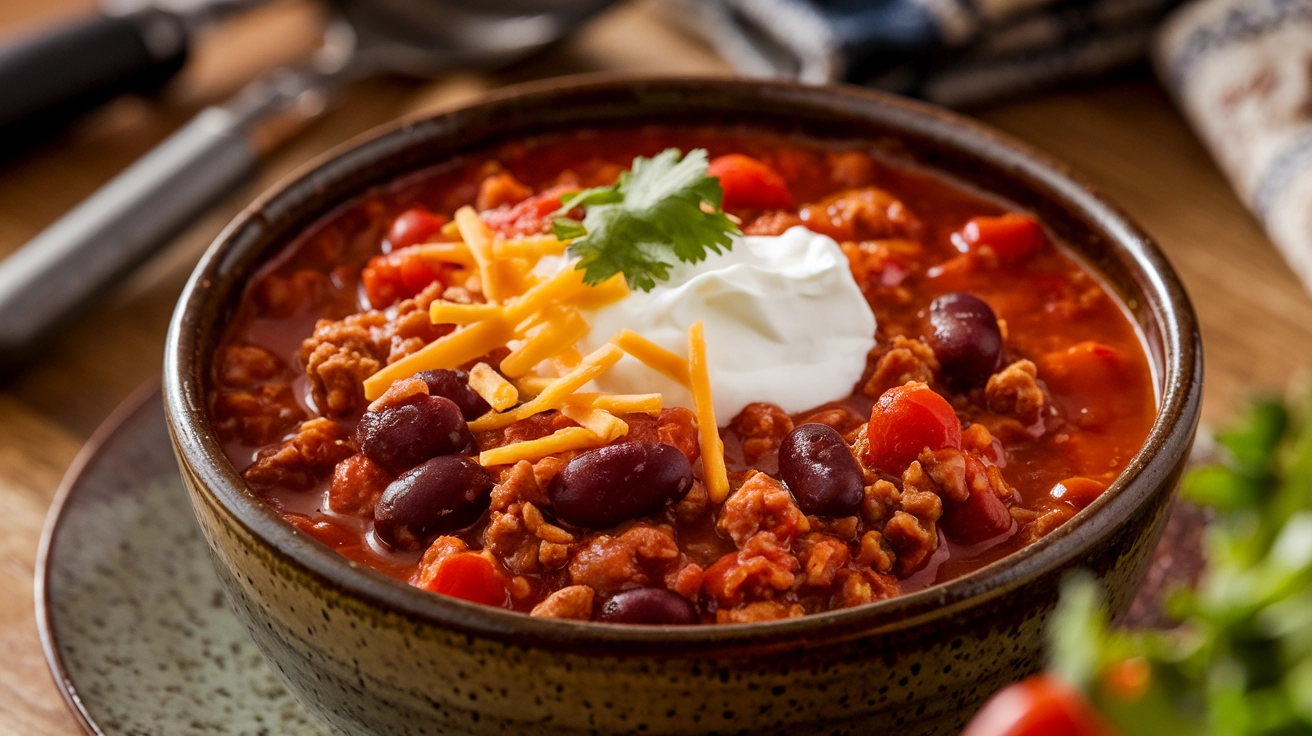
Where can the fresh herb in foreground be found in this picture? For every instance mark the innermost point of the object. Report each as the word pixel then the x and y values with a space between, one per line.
pixel 665 208
pixel 1240 663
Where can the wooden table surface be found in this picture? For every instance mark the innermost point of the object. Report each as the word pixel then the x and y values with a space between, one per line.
pixel 1124 135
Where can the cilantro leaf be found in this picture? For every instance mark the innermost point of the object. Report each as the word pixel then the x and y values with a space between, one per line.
pixel 665 209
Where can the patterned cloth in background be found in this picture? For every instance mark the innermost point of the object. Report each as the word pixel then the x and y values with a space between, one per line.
pixel 1241 70
pixel 953 52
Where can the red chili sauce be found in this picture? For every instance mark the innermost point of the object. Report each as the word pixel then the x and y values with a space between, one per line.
pixel 975 432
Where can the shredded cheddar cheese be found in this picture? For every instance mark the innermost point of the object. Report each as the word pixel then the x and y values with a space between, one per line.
pixel 556 393
pixel 454 313
pixel 544 341
pixel 597 421
pixel 570 438
pixel 654 356
pixel 450 351
pixel 617 403
pixel 714 474
pixel 530 386
pixel 457 253
pixel 494 389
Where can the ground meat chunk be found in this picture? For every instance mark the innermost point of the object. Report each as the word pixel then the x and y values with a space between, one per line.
pixel 773 222
pixel 302 461
pixel 440 549
pixel 912 532
pixel 761 504
pixel 500 189
pixel 858 587
pixel 358 483
pixel 1015 391
pixel 518 484
pixel 822 556
pixel 763 568
pixel 277 296
pixel 907 360
pixel 882 499
pixel 511 541
pixel 258 416
pixel 762 428
pixel 247 366
pixel 573 602
pixel 675 426
pixel 759 611
pixel 341 354
pixel 1042 524
pixel 875 553
pixel 632 560
pixel 860 214
pixel 687 582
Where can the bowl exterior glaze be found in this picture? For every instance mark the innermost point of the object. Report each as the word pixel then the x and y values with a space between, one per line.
pixel 367 654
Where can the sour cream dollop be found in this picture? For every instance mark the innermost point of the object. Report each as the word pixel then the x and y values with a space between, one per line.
pixel 785 323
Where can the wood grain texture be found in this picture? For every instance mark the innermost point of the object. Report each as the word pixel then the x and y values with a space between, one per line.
pixel 1124 135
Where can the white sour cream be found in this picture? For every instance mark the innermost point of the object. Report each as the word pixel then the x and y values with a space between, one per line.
pixel 785 323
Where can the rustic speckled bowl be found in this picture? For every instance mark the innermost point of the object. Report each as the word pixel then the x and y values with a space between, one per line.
pixel 367 654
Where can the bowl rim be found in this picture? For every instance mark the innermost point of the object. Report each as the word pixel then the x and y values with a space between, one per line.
pixel 1167 444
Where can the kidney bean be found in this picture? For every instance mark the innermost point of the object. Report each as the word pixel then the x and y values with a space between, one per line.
pixel 649 606
pixel 966 339
pixel 399 437
pixel 821 472
pixel 442 495
pixel 979 518
pixel 603 487
pixel 454 385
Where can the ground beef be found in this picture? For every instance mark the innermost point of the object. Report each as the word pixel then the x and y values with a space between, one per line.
pixel 861 214
pixel 258 416
pixel 358 483
pixel 759 611
pixel 821 556
pixel 302 461
pixel 1015 391
pixel 905 361
pixel 248 366
pixel 912 532
pixel 341 354
pixel 762 428
pixel 763 568
pixel 631 560
pixel 762 503
pixel 571 602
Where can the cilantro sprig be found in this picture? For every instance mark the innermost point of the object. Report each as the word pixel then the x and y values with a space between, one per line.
pixel 664 209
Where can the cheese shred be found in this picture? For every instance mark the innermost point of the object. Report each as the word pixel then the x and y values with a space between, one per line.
pixel 714 474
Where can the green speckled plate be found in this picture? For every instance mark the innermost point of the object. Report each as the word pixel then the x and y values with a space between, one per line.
pixel 135 627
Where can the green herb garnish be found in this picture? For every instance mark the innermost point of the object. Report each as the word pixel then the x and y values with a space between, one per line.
pixel 1240 662
pixel 664 209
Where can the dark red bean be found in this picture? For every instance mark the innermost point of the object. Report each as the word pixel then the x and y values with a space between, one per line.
pixel 442 495
pixel 601 488
pixel 454 385
pixel 399 437
pixel 965 339
pixel 821 472
pixel 649 606
pixel 979 518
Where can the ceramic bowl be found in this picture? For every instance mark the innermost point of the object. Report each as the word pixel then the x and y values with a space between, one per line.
pixel 367 654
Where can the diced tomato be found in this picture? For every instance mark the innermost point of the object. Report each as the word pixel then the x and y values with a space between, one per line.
pixel 414 226
pixel 1011 237
pixel 906 420
pixel 501 189
pixel 470 576
pixel 981 516
pixel 1087 379
pixel 531 216
pixel 398 275
pixel 1078 491
pixel 749 184
pixel 1037 706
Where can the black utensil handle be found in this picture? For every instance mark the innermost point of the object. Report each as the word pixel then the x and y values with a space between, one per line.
pixel 50 78
pixel 47 281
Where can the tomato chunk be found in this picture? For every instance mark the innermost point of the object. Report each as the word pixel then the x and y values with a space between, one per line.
pixel 749 184
pixel 398 275
pixel 981 516
pixel 1037 706
pixel 414 226
pixel 1078 491
pixel 531 216
pixel 1011 237
pixel 470 576
pixel 1090 381
pixel 906 420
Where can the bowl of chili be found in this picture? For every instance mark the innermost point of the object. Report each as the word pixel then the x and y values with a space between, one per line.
pixel 883 554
